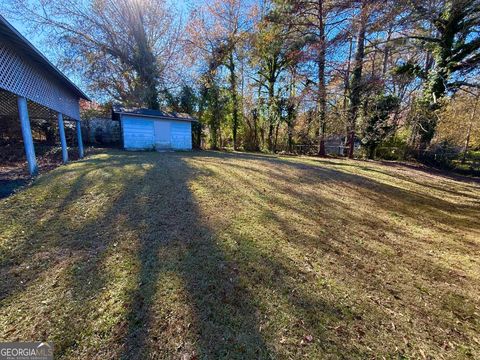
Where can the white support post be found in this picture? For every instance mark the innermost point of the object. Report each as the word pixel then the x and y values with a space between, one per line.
pixel 63 140
pixel 27 135
pixel 79 139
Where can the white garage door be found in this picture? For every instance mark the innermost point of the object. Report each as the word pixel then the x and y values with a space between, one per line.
pixel 181 137
pixel 163 135
pixel 138 133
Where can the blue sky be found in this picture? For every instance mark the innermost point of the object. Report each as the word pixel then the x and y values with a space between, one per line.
pixel 23 30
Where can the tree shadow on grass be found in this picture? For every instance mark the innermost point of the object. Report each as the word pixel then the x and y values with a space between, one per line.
pixel 151 219
pixel 223 315
pixel 226 314
pixel 8 187
pixel 219 319
pixel 374 242
pixel 50 226
pixel 185 293
pixel 387 196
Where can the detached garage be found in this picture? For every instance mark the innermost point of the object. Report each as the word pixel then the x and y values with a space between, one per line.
pixel 145 129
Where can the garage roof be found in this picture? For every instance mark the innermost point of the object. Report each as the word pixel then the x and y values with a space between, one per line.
pixel 150 113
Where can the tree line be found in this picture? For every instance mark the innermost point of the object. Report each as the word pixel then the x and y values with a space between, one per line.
pixel 273 74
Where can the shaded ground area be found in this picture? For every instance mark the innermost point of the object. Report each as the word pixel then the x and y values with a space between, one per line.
pixel 212 255
pixel 12 183
pixel 13 164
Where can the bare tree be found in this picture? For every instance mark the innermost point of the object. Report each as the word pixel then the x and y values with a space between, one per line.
pixel 123 48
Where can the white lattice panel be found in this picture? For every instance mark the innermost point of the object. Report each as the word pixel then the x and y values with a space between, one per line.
pixel 24 77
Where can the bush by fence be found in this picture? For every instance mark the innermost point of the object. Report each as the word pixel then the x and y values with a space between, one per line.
pixel 439 156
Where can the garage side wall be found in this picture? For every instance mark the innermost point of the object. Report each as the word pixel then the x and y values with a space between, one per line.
pixel 138 133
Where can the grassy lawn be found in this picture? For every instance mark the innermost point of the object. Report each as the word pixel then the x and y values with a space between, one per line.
pixel 211 255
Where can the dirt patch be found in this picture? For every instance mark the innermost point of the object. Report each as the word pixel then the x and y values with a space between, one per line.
pixel 14 169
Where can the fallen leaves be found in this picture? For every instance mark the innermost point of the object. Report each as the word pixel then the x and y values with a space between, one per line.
pixel 307 339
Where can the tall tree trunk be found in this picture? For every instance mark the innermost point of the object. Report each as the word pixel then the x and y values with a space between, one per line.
pixel 322 93
pixel 291 108
pixel 271 113
pixel 215 120
pixel 290 135
pixel 276 137
pixel 255 130
pixel 259 141
pixel 347 80
pixel 271 127
pixel 356 82
pixel 234 95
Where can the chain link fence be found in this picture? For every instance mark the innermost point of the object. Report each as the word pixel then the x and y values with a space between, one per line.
pixel 312 150
pixel 440 157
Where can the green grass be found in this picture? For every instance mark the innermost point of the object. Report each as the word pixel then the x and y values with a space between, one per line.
pixel 236 256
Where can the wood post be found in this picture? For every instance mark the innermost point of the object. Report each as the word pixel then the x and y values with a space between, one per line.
pixel 27 135
pixel 63 140
pixel 79 138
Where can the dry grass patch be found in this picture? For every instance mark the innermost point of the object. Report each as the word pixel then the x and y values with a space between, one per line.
pixel 213 255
